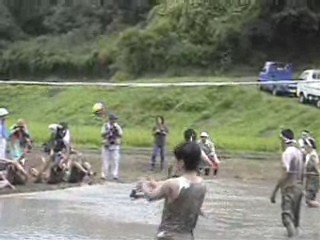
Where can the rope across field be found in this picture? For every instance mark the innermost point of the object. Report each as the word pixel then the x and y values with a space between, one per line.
pixel 151 85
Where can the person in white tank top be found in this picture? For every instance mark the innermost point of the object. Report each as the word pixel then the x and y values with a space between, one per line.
pixel 311 173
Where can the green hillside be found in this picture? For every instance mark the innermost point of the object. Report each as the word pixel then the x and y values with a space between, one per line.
pixel 238 118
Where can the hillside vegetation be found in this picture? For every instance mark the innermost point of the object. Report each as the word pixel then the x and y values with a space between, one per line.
pixel 124 40
pixel 238 118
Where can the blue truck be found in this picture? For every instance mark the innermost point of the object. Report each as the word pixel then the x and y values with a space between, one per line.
pixel 277 71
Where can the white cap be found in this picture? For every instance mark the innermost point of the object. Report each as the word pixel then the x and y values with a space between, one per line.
pixel 204 134
pixel 3 112
pixel 54 126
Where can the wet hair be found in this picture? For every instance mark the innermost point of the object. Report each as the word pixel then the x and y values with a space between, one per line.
pixel 190 135
pixel 287 135
pixel 190 153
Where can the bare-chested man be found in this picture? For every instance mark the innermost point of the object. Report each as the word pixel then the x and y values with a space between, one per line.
pixel 183 196
pixel 290 182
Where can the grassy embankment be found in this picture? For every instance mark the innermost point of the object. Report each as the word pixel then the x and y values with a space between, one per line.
pixel 238 118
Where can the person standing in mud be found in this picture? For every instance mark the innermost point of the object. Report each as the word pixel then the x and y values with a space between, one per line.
pixel 183 196
pixel 290 182
pixel 3 132
pixel 111 133
pixel 190 135
pixel 160 132
pixel 311 173
pixel 209 149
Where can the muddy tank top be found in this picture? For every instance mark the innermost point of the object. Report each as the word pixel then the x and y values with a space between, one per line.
pixel 312 166
pixel 181 215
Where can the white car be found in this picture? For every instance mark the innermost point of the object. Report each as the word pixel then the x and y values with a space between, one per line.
pixel 308 90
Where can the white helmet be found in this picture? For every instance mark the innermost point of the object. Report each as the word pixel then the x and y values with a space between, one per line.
pixel 3 112
pixel 204 134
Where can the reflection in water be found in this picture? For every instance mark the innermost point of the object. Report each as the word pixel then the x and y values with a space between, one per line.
pixel 239 211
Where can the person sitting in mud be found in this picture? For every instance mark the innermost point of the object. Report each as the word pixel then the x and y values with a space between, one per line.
pixel 79 170
pixel 19 143
pixel 58 148
pixel 290 183
pixel 311 173
pixel 4 182
pixel 183 196
pixel 209 149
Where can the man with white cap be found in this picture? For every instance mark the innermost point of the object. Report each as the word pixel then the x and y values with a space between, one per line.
pixel 3 132
pixel 209 149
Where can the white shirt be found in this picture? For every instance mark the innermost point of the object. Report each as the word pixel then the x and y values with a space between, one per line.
pixel 67 138
pixel 107 127
pixel 290 154
pixel 313 154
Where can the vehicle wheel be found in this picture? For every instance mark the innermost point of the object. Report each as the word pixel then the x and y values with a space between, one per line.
pixel 302 99
pixel 274 92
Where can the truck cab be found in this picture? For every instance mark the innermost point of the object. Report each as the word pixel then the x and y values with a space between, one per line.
pixel 308 89
pixel 277 71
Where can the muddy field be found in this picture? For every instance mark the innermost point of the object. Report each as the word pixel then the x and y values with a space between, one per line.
pixel 135 164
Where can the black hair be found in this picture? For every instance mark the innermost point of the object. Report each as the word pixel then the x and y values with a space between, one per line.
pixel 190 153
pixel 190 135
pixel 287 134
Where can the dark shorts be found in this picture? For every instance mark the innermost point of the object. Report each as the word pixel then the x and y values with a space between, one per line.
pixel 312 187
pixel 76 175
pixel 291 204
pixel 15 177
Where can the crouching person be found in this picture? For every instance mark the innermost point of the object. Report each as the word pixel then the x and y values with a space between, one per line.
pixel 79 170
pixel 19 143
pixel 58 149
pixel 4 182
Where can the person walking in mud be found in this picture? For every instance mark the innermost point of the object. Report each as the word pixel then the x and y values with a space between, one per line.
pixel 209 149
pixel 304 135
pixel 160 132
pixel 290 183
pixel 183 196
pixel 111 133
pixel 3 132
pixel 311 173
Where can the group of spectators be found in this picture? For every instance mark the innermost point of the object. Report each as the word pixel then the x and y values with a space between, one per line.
pixel 59 162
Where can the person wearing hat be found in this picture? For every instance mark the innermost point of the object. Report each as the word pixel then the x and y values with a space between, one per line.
pixel 311 173
pixel 290 182
pixel 58 148
pixel 3 132
pixel 190 135
pixel 209 149
pixel 111 133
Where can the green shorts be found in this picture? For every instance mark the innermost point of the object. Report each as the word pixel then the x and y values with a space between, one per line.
pixel 291 204
pixel 312 187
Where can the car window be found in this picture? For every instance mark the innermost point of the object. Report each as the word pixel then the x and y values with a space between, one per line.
pixel 304 76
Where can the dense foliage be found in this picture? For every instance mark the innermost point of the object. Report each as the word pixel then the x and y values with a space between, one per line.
pixel 121 38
